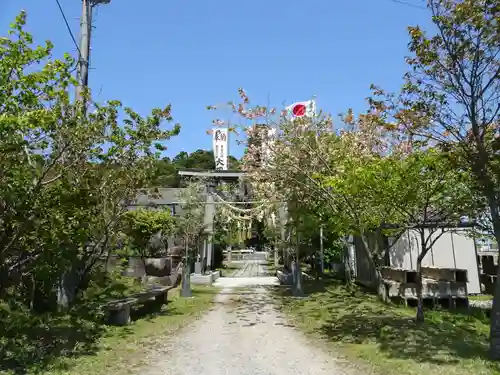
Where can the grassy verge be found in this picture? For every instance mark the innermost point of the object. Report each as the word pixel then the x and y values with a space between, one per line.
pixel 357 325
pixel 484 297
pixel 270 268
pixel 122 350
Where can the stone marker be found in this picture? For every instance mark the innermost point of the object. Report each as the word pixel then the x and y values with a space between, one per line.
pixel 197 268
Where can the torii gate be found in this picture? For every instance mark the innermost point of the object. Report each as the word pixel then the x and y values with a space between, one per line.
pixel 213 178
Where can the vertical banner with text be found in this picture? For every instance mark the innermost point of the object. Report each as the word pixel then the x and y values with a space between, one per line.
pixel 221 147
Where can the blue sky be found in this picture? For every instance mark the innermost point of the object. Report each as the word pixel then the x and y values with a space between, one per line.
pixel 196 53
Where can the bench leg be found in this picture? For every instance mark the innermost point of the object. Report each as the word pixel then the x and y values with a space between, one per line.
pixel 120 317
pixel 161 299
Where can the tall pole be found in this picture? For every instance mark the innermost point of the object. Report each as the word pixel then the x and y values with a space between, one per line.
pixel 82 77
pixel 186 280
pixel 82 73
pixel 297 290
pixel 282 215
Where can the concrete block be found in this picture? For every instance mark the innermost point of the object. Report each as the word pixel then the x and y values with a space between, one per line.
pixel 393 288
pixel 489 266
pixel 437 289
pixel 438 274
pixel 197 268
pixel 202 279
pixel 284 278
pixel 430 289
pixel 461 276
pixel 120 317
pixel 409 290
pixel 399 275
pixel 165 280
pixel 157 266
pixel 459 290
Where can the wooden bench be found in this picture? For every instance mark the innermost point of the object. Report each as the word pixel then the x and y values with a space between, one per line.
pixel 119 310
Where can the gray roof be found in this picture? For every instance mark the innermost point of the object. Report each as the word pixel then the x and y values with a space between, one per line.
pixel 222 174
pixel 159 196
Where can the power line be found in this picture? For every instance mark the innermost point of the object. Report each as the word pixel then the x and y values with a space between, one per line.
pixel 408 4
pixel 69 28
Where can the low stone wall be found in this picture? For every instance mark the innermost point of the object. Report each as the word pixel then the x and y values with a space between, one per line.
pixel 207 279
pixel 138 267
pixel 430 289
pixel 173 279
pixel 286 278
pixel 215 275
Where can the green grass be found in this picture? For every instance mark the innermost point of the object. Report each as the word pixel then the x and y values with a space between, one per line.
pixel 484 297
pixel 121 350
pixel 270 267
pixel 386 337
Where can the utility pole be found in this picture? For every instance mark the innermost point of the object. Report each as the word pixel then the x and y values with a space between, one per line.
pixel 82 73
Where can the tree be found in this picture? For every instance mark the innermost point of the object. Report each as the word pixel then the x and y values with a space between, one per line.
pixel 166 169
pixel 67 176
pixel 451 97
pixel 339 176
pixel 190 225
pixel 165 174
pixel 428 195
pixel 142 225
pixel 308 165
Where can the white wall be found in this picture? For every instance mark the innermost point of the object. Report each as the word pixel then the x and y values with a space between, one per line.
pixel 451 250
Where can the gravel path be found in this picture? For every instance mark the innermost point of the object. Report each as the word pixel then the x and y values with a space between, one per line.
pixel 249 339
pixel 245 338
pixel 252 273
pixel 252 266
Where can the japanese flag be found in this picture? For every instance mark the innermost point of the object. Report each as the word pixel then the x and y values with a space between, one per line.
pixel 302 109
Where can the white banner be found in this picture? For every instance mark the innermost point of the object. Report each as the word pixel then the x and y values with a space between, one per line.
pixel 267 145
pixel 220 143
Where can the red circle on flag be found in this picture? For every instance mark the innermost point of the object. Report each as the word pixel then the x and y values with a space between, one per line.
pixel 299 110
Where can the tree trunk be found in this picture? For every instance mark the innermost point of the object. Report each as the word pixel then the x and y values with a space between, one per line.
pixel 495 310
pixel 495 322
pixel 186 274
pixel 66 290
pixel 321 250
pixel 297 291
pixel 315 268
pixel 4 280
pixel 420 300
pixel 347 267
pixel 480 164
pixel 381 288
pixel 106 265
pixel 378 281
